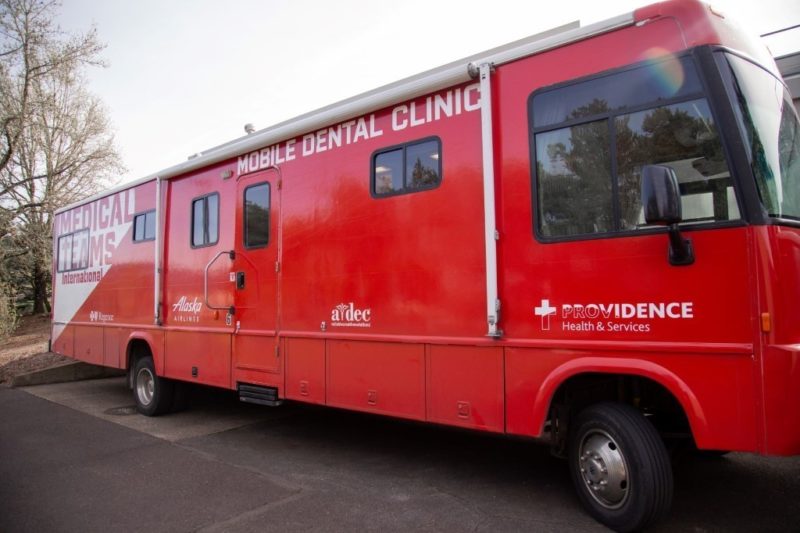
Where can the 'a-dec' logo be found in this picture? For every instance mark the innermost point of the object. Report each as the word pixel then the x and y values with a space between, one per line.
pixel 351 316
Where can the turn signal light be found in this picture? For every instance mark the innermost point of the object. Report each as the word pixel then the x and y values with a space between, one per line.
pixel 766 322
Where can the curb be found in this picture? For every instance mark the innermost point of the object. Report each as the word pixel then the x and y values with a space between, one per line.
pixel 72 371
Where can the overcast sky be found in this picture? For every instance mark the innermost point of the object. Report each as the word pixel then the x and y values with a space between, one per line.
pixel 186 75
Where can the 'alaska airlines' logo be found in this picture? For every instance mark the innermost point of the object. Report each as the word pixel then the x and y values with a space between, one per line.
pixel 185 306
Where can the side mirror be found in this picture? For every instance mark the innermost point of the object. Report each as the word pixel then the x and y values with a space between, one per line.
pixel 661 201
pixel 661 198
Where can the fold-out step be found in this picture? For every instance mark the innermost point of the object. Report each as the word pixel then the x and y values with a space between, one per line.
pixel 259 395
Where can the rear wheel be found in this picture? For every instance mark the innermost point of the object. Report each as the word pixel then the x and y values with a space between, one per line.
pixel 620 467
pixel 153 394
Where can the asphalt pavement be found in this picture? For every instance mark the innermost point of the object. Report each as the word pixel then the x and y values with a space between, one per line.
pixel 76 457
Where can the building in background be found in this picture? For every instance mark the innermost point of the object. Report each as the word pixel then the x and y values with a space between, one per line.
pixel 783 43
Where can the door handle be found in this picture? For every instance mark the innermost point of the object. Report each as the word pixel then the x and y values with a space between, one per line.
pixel 240 280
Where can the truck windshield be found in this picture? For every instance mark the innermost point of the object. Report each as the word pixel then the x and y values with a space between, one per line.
pixel 772 136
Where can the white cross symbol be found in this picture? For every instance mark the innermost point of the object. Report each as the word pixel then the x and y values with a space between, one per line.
pixel 544 311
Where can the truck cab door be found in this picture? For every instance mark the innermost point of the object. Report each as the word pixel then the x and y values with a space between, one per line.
pixel 254 278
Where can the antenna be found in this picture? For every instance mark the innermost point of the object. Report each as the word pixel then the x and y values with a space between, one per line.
pixel 780 31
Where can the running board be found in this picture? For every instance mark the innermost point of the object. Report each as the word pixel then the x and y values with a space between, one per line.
pixel 259 395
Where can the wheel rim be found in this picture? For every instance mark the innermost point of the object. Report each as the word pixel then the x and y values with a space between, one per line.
pixel 145 386
pixel 603 469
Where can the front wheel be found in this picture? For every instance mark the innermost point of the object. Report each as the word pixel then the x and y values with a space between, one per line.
pixel 153 394
pixel 620 467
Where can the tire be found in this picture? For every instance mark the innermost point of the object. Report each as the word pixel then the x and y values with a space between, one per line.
pixel 153 394
pixel 620 467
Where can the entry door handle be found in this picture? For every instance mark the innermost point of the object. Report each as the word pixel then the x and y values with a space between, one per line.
pixel 240 280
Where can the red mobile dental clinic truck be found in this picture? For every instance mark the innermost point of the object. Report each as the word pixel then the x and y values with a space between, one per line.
pixel 590 237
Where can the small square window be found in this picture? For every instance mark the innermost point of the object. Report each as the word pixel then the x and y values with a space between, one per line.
pixel 144 227
pixel 80 250
pixel 73 251
pixel 65 253
pixel 205 220
pixel 408 168
pixel 256 216
pixel 388 172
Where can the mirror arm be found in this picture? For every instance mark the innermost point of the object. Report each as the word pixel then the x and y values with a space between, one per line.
pixel 681 252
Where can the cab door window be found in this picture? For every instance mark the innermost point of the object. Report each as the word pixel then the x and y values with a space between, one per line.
pixel 591 139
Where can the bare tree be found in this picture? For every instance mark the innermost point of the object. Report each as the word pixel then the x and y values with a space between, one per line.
pixel 31 47
pixel 56 142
